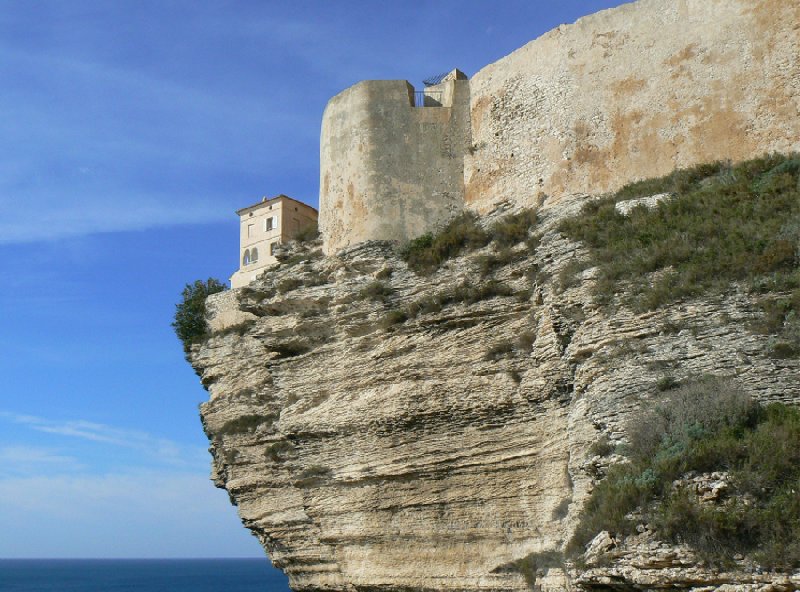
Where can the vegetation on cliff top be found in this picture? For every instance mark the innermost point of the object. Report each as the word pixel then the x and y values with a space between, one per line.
pixel 707 426
pixel 190 313
pixel 426 253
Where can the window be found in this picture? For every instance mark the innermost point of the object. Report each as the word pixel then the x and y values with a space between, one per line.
pixel 271 223
pixel 251 230
pixel 253 255
pixel 272 248
pixel 246 257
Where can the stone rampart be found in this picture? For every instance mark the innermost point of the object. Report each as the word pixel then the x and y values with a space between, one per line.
pixel 622 95
pixel 635 92
pixel 388 169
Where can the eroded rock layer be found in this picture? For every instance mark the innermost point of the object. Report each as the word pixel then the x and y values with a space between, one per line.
pixel 369 451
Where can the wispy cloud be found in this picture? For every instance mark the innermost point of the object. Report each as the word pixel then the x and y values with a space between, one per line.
pixel 88 215
pixel 122 514
pixel 162 449
pixel 26 460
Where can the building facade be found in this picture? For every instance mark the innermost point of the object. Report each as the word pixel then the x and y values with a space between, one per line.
pixel 264 226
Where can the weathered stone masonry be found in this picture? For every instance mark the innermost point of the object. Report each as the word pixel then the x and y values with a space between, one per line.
pixel 390 169
pixel 624 94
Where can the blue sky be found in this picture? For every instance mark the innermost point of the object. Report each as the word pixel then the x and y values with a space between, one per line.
pixel 131 131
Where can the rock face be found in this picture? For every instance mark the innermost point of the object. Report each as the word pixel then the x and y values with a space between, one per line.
pixel 368 452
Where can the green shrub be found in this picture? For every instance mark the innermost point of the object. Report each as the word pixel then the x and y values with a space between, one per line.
pixel 513 229
pixel 602 446
pixel 489 263
pixel 704 426
pixel 190 314
pixel 667 383
pixel 724 224
pixel 426 253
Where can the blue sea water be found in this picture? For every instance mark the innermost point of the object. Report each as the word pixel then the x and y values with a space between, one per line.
pixel 140 575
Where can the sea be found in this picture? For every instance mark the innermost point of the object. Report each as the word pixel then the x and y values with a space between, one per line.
pixel 140 575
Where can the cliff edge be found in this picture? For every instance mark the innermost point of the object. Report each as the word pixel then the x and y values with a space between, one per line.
pixel 387 427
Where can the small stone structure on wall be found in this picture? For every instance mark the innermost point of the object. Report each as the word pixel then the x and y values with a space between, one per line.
pixel 622 95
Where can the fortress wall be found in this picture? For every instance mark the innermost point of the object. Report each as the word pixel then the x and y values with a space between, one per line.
pixel 389 170
pixel 634 92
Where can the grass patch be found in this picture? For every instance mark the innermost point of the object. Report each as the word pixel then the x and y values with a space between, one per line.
pixel 513 229
pixel 426 253
pixel 705 426
pixel 725 223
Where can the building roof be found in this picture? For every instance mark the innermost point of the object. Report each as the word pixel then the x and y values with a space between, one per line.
pixel 271 200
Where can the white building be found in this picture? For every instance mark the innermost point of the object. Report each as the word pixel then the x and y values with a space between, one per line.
pixel 263 227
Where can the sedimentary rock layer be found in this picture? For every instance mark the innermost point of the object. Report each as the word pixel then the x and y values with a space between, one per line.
pixel 371 453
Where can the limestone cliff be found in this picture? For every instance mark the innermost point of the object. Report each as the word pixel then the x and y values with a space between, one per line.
pixel 372 452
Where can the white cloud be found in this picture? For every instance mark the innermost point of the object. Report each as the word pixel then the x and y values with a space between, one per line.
pixel 137 514
pixel 88 215
pixel 25 460
pixel 162 450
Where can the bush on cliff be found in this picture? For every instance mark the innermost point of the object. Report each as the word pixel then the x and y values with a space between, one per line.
pixel 723 223
pixel 190 313
pixel 707 426
pixel 426 253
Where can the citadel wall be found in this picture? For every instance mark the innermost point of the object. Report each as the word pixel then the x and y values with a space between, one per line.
pixel 621 95
pixel 635 92
pixel 388 169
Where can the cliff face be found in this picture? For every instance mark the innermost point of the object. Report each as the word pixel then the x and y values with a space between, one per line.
pixel 369 452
